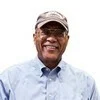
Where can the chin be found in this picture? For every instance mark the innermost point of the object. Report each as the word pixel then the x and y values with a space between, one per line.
pixel 51 58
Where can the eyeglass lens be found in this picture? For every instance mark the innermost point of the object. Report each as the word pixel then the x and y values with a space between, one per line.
pixel 55 32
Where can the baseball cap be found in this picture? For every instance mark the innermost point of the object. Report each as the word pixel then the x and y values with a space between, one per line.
pixel 51 16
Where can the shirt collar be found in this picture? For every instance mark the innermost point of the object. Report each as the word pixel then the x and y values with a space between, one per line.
pixel 46 71
pixel 39 67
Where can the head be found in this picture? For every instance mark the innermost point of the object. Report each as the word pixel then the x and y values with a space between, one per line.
pixel 51 37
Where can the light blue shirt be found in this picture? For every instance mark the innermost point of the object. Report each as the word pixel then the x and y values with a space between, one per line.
pixel 33 81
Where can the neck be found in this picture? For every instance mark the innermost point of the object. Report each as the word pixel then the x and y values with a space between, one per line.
pixel 51 64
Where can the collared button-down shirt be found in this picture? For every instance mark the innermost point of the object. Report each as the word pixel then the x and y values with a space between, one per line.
pixel 34 81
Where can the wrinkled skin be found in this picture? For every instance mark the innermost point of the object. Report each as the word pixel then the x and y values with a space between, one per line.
pixel 50 48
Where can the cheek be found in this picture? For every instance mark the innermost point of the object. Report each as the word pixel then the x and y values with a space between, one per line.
pixel 64 45
pixel 39 41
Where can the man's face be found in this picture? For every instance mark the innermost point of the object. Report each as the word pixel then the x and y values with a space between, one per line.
pixel 51 41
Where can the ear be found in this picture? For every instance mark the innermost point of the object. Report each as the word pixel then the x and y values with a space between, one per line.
pixel 68 36
pixel 34 38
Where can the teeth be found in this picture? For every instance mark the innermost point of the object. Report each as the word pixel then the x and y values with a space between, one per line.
pixel 50 47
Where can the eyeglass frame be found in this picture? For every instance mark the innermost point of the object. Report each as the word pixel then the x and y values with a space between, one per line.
pixel 40 31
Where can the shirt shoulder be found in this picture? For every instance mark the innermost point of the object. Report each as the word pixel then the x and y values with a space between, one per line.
pixel 76 76
pixel 74 71
pixel 14 73
pixel 18 67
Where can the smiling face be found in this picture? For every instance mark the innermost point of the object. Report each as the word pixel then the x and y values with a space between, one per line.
pixel 51 40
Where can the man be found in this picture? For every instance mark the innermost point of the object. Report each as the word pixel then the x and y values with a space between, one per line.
pixel 48 77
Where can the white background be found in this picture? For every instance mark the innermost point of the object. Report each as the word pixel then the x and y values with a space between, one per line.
pixel 17 20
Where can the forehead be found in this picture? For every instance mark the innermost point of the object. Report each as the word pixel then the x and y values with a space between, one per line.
pixel 53 24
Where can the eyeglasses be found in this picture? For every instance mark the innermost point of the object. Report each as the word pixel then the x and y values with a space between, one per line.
pixel 54 32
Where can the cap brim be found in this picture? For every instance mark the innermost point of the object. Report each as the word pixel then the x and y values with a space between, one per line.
pixel 46 21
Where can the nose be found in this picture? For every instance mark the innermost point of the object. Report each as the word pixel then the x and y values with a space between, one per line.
pixel 52 39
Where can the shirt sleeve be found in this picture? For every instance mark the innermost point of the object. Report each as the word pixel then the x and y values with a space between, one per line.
pixel 3 90
pixel 6 92
pixel 95 94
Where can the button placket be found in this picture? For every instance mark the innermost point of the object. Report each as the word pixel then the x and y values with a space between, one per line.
pixel 51 86
pixel 52 90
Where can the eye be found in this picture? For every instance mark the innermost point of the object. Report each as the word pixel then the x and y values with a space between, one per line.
pixel 54 32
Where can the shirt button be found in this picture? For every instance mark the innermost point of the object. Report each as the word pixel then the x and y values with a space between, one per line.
pixel 49 80
pixel 49 96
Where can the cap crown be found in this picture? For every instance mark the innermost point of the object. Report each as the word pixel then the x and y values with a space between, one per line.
pixel 52 16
